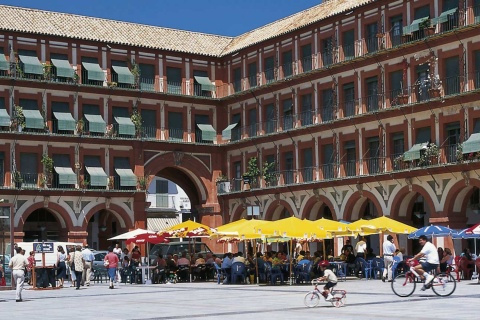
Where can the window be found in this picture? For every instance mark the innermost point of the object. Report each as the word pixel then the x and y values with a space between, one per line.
pixel 149 123
pixel 269 69
pixel 147 77
pixel 288 177
pixel 63 121
pixel 252 74
pixel 373 160
pixel 349 99
pixel 307 172
pixel 174 80
pixel 203 134
pixel 197 87
pixel 237 174
pixel 328 161
pixel 422 82
pixel 327 105
pixel 270 121
pixel 327 51
pixel 452 131
pixel 122 75
pixel 477 68
pixel 252 120
pixel 348 43
pixel 272 181
pixel 29 169
pixel 452 76
pixel 288 118
pixel 2 169
pixel 307 114
pixel 307 57
pixel 398 149
pixel 30 65
pixel 423 135
pixel 371 37
pixel 61 68
pixel 287 64
pixel 396 24
pixel 237 130
pixel 92 73
pixel 396 86
pixel 372 94
pixel 237 79
pixel 420 13
pixel 350 164
pixel 161 186
pixel 175 126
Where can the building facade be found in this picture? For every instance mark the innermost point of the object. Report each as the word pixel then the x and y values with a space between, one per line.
pixel 347 110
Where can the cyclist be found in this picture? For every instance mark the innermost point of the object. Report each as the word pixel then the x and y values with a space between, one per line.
pixel 429 251
pixel 330 277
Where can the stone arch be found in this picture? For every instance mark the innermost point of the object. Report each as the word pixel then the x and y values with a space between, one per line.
pixel 189 165
pixel 457 198
pixel 403 200
pixel 55 209
pixel 122 216
pixel 272 209
pixel 356 203
pixel 239 213
pixel 314 204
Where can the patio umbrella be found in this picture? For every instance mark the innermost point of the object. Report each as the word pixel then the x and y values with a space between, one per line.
pixel 381 224
pixel 242 229
pixel 187 229
pixel 431 231
pixel 475 229
pixel 131 234
pixel 462 234
pixel 330 225
pixel 147 238
pixel 293 227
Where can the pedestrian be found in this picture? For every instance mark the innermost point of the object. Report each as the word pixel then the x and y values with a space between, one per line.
pixel 18 264
pixel 31 264
pixel 88 258
pixel 61 266
pixel 70 270
pixel 77 265
pixel 111 263
pixel 117 250
pixel 388 253
pixel 361 248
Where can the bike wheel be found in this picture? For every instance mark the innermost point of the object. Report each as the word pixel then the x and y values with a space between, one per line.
pixel 403 286
pixel 443 284
pixel 311 299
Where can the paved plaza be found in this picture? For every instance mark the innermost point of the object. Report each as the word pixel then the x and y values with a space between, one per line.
pixel 370 299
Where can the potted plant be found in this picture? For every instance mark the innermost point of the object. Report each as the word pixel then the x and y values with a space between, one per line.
pixel 19 118
pixel 47 71
pixel 136 75
pixel 17 179
pixel 250 177
pixel 79 127
pixel 268 172
pixel 425 25
pixel 137 122
pixel 48 168
pixel 143 182
pixel 109 131
pixel 429 155
pixel 111 183
pixel 84 183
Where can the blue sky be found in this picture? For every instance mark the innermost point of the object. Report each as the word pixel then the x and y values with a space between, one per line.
pixel 222 17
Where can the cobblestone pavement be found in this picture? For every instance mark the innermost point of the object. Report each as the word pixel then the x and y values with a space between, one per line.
pixel 370 299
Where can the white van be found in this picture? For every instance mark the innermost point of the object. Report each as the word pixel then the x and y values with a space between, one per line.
pixel 50 257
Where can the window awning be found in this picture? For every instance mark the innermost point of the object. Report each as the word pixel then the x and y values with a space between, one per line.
pixel 127 177
pixel 65 121
pixel 208 132
pixel 443 17
pixel 472 144
pixel 125 126
pixel 66 175
pixel 160 224
pixel 124 74
pixel 31 65
pixel 95 123
pixel 414 152
pixel 415 26
pixel 227 132
pixel 94 71
pixel 205 82
pixel 33 119
pixel 4 118
pixel 3 63
pixel 98 177
pixel 64 69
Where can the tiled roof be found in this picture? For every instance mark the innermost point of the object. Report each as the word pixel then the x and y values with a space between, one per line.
pixel 131 34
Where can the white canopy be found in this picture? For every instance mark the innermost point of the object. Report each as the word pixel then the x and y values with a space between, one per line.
pixel 130 234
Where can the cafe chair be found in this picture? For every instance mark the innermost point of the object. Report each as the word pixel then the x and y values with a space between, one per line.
pixel 183 273
pixel 200 272
pixel 238 271
pixel 378 266
pixel 302 271
pixel 273 273
pixel 365 267
pixel 396 266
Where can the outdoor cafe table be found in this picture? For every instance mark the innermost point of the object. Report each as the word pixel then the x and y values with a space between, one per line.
pixel 146 272
pixel 340 269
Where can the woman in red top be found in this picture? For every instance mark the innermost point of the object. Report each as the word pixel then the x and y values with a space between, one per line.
pixel 111 263
pixel 31 264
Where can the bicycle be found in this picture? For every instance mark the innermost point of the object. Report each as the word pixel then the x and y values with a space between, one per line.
pixel 404 285
pixel 312 298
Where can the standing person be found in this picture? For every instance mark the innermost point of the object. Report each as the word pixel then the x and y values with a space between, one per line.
pixel 18 264
pixel 73 278
pixel 76 263
pixel 61 266
pixel 88 258
pixel 31 264
pixel 361 248
pixel 429 251
pixel 111 263
pixel 347 246
pixel 388 253
pixel 117 250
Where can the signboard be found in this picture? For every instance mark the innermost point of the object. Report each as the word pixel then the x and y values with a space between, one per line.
pixel 43 247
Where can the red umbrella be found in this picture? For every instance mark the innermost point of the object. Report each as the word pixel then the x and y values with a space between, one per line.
pixel 475 229
pixel 144 238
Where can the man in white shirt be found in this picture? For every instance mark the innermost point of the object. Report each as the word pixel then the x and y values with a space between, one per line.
pixel 117 250
pixel 88 258
pixel 361 248
pixel 18 264
pixel 388 251
pixel 429 251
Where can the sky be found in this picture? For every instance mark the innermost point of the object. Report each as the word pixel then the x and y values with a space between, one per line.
pixel 221 17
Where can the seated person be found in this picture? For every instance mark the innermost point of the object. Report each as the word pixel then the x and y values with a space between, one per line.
pixel 370 255
pixel 350 260
pixel 126 271
pixel 200 267
pixel 347 246
pixel 227 266
pixel 301 255
pixel 239 258
pixel 446 260
pixel 159 272
pixel 328 276
pixel 183 267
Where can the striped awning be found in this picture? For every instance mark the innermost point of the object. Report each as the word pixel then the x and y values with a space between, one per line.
pixel 127 177
pixel 96 123
pixel 414 152
pixel 124 74
pixel 64 69
pixel 31 65
pixel 4 118
pixel 125 126
pixel 160 224
pixel 4 63
pixel 66 175
pixel 98 177
pixel 227 132
pixel 65 121
pixel 472 144
pixel 208 132
pixel 205 83
pixel 94 71
pixel 33 119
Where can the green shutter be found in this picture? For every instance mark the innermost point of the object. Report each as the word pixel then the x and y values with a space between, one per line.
pixel 124 74
pixel 64 69
pixel 227 132
pixel 127 177
pixel 125 126
pixel 4 118
pixel 414 152
pixel 472 144
pixel 208 132
pixel 31 65
pixel 66 175
pixel 205 82
pixel 65 121
pixel 444 16
pixel 98 177
pixel 4 63
pixel 95 123
pixel 33 119
pixel 414 26
pixel 94 71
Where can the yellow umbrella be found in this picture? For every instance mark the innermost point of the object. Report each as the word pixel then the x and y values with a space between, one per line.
pixel 187 229
pixel 330 225
pixel 228 228
pixel 386 224
pixel 293 227
pixel 243 229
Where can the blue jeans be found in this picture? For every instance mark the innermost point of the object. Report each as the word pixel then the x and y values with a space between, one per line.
pixel 111 273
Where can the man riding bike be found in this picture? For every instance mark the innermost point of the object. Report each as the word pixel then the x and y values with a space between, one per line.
pixel 429 251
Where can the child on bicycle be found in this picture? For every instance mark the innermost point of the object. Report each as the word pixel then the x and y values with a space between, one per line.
pixel 328 276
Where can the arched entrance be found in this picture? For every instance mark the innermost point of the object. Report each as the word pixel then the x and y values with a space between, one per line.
pixel 43 225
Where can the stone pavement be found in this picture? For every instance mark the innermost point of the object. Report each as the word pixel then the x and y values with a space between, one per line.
pixel 366 299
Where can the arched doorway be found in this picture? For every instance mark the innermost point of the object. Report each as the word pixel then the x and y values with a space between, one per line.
pixel 42 225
